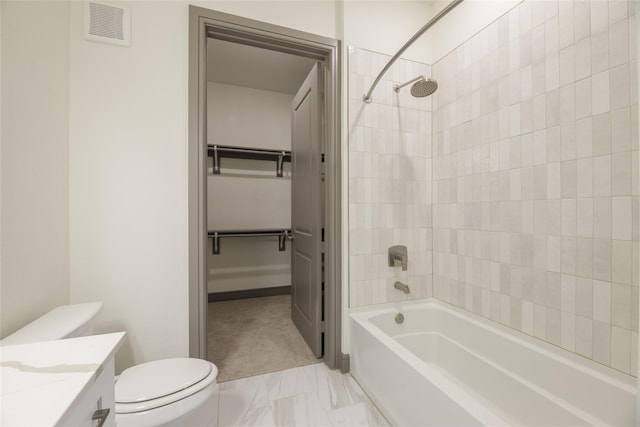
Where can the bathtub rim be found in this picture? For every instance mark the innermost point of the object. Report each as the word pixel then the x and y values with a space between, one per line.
pixel 364 313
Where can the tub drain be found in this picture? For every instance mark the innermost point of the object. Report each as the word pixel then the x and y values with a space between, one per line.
pixel 399 318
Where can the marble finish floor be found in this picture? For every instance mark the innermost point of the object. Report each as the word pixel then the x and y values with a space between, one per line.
pixel 254 336
pixel 311 395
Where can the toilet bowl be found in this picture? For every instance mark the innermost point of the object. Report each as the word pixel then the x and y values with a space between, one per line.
pixel 162 393
pixel 166 393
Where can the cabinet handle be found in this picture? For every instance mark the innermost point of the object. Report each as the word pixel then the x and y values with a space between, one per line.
pixel 101 415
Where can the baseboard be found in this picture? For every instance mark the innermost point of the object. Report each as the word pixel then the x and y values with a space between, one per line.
pixel 249 293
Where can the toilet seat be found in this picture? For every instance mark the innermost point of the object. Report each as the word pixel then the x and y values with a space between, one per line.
pixel 161 382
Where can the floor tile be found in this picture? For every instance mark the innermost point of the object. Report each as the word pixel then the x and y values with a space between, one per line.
pixel 242 402
pixel 358 415
pixel 333 388
pixel 287 383
pixel 300 410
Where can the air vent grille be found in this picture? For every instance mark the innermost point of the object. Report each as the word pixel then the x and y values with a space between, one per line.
pixel 107 23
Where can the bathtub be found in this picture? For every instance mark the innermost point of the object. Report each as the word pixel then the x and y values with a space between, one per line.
pixel 444 366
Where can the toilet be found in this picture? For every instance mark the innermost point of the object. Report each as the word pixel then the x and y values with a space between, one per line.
pixel 162 393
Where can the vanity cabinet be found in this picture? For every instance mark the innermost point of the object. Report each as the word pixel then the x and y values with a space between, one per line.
pixel 59 383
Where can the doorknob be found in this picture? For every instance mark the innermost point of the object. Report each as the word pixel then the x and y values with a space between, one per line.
pixel 290 236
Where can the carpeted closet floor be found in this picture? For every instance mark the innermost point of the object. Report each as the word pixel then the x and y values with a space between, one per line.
pixel 254 336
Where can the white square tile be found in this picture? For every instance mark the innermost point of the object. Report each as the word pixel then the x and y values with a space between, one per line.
pixel 602 342
pixel 620 130
pixel 569 179
pixel 599 16
pixel 618 10
pixel 554 253
pixel 600 93
pixel 621 174
pixel 527 317
pixel 584 297
pixel 569 255
pixel 540 321
pixel 551 34
pixel 584 257
pixel 538 50
pixel 584 136
pixel 619 87
pixel 583 98
pixel 602 301
pixel 539 146
pixel 602 259
pixel 621 306
pixel 554 327
pixel 552 71
pixel 567 103
pixel 619 43
pixel 602 175
pixel 601 134
pixel 621 349
pixel 568 331
pixel 602 217
pixel 565 21
pixel 621 218
pixel 552 108
pixel 599 51
pixel 584 227
pixel 582 20
pixel 554 181
pixel 567 65
pixel 584 336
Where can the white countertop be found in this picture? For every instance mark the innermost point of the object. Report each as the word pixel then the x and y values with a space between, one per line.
pixel 40 381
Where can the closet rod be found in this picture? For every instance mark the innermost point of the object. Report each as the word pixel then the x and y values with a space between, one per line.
pixel 282 235
pixel 279 156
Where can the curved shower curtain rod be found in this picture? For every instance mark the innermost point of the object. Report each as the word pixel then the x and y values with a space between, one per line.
pixel 443 12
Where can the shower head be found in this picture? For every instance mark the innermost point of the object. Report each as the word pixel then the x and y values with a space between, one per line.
pixel 421 87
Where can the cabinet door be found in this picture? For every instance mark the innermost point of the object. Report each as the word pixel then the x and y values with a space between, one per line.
pixel 306 206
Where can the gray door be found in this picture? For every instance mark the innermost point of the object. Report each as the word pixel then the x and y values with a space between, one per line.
pixel 307 210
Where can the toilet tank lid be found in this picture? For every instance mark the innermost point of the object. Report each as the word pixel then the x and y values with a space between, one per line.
pixel 61 322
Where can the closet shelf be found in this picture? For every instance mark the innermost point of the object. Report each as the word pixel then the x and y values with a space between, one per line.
pixel 218 151
pixel 282 234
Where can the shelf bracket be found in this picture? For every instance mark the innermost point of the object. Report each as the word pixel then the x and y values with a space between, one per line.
pixel 279 166
pixel 216 163
pixel 281 241
pixel 216 244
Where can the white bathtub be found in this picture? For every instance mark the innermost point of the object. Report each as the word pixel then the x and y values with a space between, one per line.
pixel 446 367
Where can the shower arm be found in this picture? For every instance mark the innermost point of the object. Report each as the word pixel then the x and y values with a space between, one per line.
pixel 448 8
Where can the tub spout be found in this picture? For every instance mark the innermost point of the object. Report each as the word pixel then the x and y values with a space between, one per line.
pixel 401 286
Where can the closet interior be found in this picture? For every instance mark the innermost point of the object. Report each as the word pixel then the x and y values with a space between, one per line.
pixel 249 99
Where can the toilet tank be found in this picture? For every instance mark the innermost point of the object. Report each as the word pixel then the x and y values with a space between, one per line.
pixel 66 321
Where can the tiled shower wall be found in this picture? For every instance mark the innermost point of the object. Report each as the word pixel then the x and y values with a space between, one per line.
pixel 389 181
pixel 536 176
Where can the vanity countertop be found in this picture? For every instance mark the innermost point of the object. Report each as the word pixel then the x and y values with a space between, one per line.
pixel 40 382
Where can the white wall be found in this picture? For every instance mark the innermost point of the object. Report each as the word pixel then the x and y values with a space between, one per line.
pixel 313 16
pixel 248 194
pixel 34 152
pixel 128 180
pixel 385 26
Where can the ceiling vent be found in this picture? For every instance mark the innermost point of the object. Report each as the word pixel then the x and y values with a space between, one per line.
pixel 107 23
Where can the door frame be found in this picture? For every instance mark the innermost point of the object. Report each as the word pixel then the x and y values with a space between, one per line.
pixel 204 23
